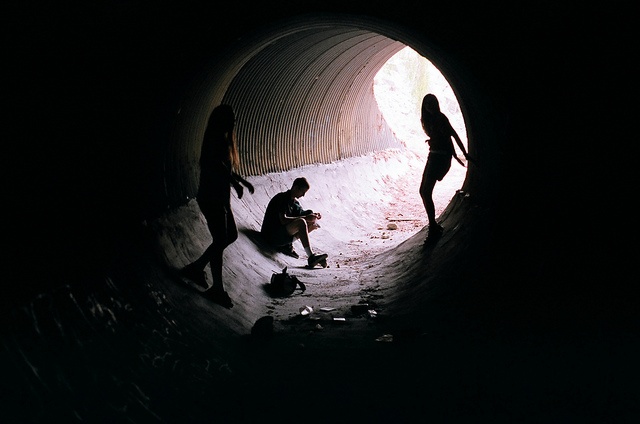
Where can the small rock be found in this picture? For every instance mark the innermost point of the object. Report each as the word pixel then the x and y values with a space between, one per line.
pixel 263 328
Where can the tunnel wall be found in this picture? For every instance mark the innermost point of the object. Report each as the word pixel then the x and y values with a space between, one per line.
pixel 99 92
pixel 303 91
pixel 303 95
pixel 311 109
pixel 111 99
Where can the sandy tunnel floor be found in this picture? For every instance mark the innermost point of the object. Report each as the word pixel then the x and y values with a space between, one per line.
pixel 369 206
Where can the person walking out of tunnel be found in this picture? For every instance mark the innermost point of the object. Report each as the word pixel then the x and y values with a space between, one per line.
pixel 219 162
pixel 439 130
pixel 285 221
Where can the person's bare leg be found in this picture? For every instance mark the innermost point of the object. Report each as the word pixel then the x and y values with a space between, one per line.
pixel 216 270
pixel 195 270
pixel 212 256
pixel 300 230
pixel 312 224
pixel 426 192
pixel 217 292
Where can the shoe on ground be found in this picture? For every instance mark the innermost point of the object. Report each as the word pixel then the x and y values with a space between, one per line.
pixel 197 276
pixel 288 250
pixel 218 296
pixel 315 259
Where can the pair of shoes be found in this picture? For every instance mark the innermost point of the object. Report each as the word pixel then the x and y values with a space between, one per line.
pixel 287 249
pixel 195 275
pixel 218 296
pixel 316 259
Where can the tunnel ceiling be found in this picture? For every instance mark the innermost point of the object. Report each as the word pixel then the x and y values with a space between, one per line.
pixel 308 98
pixel 302 93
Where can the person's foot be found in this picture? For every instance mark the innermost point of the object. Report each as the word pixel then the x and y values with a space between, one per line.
pixel 288 250
pixel 197 276
pixel 315 259
pixel 435 229
pixel 218 296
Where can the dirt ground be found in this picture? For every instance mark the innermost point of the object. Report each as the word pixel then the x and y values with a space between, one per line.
pixel 360 221
pixel 364 215
pixel 371 214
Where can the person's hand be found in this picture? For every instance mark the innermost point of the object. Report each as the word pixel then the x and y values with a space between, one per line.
pixel 239 189
pixel 470 160
pixel 312 217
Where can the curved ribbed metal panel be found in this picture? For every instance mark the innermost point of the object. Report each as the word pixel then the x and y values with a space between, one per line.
pixel 302 92
pixel 307 97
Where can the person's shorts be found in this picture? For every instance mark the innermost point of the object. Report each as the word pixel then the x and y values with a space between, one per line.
pixel 437 166
pixel 278 236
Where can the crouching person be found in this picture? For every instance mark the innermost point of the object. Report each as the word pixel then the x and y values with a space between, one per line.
pixel 285 221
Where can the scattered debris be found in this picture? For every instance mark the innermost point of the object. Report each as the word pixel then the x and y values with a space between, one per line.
pixel 306 310
pixel 385 338
pixel 327 309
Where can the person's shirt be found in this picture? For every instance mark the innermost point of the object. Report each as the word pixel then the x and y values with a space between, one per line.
pixel 215 173
pixel 440 132
pixel 281 203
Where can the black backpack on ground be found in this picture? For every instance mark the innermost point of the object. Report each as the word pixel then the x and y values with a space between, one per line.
pixel 284 284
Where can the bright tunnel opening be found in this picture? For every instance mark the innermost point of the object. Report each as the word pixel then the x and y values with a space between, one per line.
pixel 399 87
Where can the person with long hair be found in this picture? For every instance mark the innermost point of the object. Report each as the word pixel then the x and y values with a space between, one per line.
pixel 219 163
pixel 439 130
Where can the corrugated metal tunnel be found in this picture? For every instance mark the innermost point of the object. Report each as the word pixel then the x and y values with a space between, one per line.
pixel 315 105
pixel 514 316
pixel 303 94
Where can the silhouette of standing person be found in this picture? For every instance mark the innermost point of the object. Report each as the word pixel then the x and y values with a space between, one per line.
pixel 439 130
pixel 219 161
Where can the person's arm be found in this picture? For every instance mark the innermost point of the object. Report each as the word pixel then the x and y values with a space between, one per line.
pixel 283 208
pixel 456 137
pixel 297 213
pixel 285 219
pixel 312 217
pixel 246 183
pixel 235 182
pixel 457 158
pixel 308 214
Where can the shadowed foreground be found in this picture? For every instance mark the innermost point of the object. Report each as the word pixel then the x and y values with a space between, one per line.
pixel 454 337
